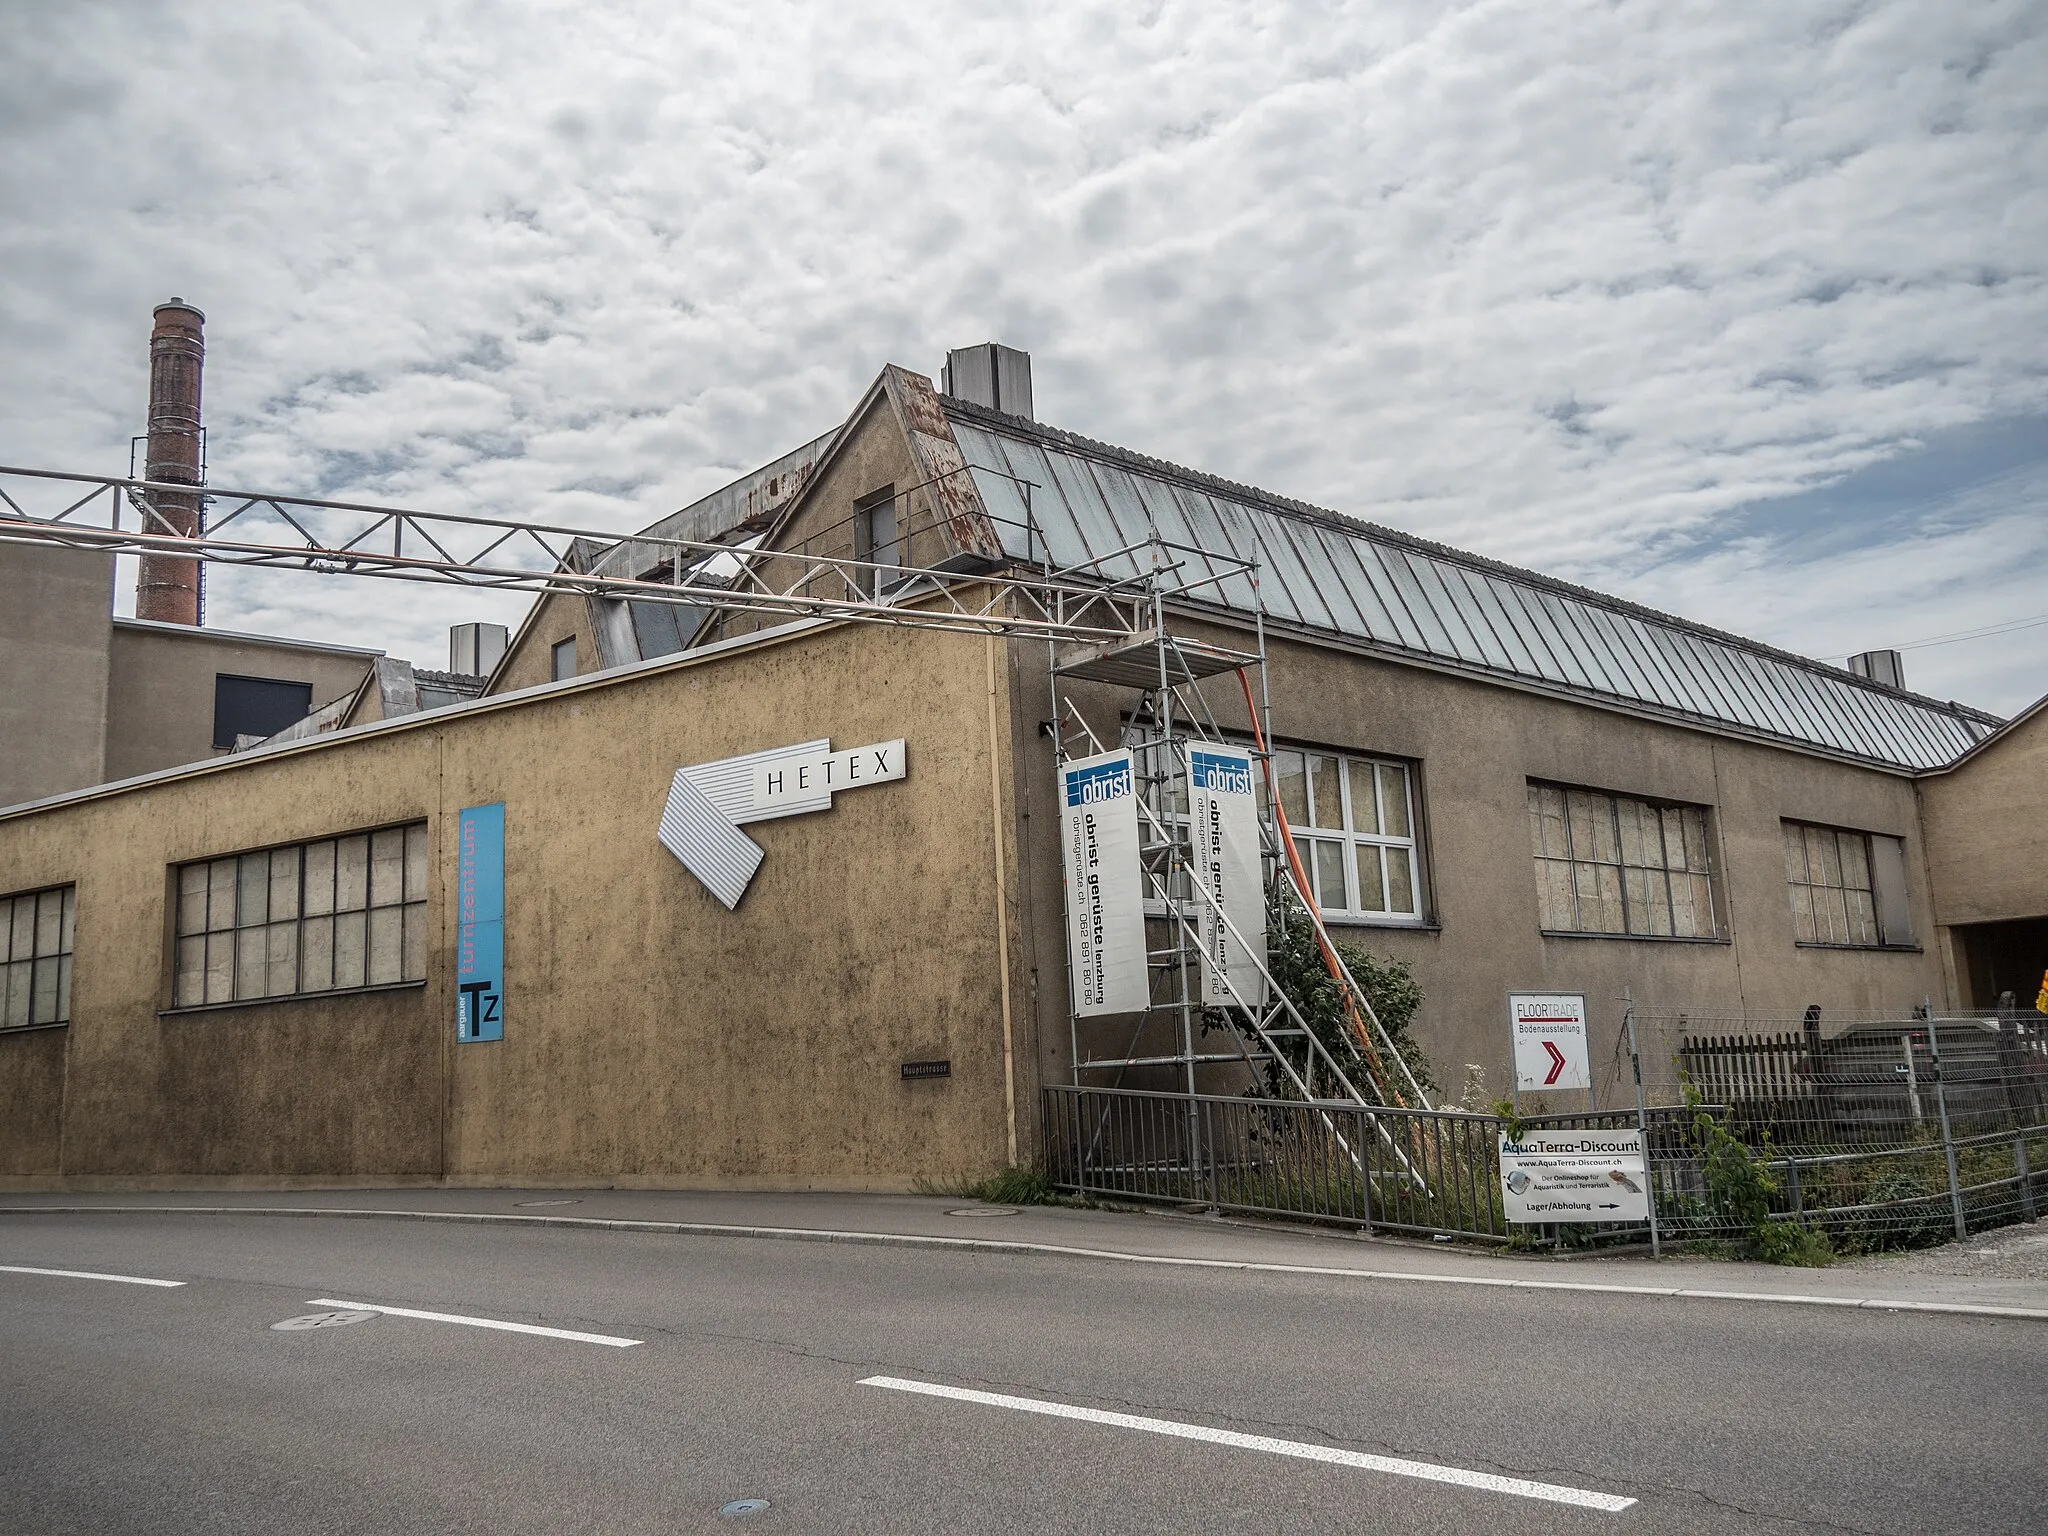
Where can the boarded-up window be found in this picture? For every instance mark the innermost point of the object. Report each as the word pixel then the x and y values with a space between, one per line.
pixel 1616 864
pixel 324 916
pixel 1847 888
pixel 35 957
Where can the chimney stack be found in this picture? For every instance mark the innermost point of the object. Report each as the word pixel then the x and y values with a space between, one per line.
pixel 168 588
pixel 991 374
pixel 1880 667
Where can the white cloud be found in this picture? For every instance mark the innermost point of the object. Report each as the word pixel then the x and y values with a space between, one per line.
pixel 1561 282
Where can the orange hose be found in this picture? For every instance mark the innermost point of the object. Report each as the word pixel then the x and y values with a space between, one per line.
pixel 1363 1036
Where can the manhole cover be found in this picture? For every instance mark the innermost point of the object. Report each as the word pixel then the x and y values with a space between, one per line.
pixel 744 1507
pixel 320 1320
pixel 985 1210
pixel 547 1202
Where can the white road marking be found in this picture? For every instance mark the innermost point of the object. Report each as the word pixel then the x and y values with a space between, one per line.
pixel 1428 1471
pixel 476 1322
pixel 1060 1250
pixel 85 1274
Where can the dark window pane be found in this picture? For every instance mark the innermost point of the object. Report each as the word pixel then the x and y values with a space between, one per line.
pixel 256 706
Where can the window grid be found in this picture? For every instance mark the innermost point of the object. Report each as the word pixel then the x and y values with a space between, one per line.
pixel 35 957
pixel 1834 897
pixel 1615 864
pixel 1353 820
pixel 323 916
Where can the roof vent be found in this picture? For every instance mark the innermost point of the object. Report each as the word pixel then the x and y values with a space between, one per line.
pixel 991 374
pixel 1880 667
pixel 474 650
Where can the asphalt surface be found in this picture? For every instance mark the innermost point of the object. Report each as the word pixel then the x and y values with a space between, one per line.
pixel 134 1408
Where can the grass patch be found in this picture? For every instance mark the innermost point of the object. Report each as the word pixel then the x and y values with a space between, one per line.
pixel 1019 1184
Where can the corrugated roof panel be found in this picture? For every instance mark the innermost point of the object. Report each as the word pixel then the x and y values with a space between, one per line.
pixel 1454 606
pixel 1526 644
pixel 1500 623
pixel 989 468
pixel 1645 666
pixel 1482 617
pixel 1356 564
pixel 1317 572
pixel 1400 568
pixel 1615 630
pixel 1306 567
pixel 1560 639
pixel 1693 685
pixel 1226 528
pixel 1351 598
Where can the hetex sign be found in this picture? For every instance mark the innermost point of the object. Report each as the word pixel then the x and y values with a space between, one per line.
pixel 708 803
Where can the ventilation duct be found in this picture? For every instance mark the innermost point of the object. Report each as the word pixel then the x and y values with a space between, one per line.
pixel 991 374
pixel 1880 667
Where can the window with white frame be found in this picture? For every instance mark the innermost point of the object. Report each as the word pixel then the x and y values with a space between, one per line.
pixel 327 916
pixel 1613 864
pixel 1353 820
pixel 35 957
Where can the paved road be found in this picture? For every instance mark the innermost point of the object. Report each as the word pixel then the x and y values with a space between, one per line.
pixel 137 1408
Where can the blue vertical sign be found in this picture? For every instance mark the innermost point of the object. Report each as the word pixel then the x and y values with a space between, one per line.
pixel 480 924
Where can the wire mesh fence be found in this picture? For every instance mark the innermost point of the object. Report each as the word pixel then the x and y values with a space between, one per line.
pixel 1884 1131
pixel 1880 1132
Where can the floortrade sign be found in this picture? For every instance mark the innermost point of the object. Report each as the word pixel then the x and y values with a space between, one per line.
pixel 480 924
pixel 1226 842
pixel 1105 889
pixel 709 802
pixel 1574 1176
pixel 1550 1040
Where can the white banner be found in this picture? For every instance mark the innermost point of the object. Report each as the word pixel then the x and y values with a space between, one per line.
pixel 1105 888
pixel 1574 1176
pixel 1226 842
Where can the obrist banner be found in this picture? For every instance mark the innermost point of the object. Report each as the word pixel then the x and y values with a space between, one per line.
pixel 1105 886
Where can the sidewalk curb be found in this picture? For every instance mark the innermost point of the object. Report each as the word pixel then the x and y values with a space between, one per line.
pixel 997 1245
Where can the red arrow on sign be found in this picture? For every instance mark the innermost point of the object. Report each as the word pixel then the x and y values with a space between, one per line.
pixel 1556 1062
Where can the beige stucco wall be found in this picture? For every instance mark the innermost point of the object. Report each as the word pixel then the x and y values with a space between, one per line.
pixel 1987 829
pixel 1477 745
pixel 55 631
pixel 529 661
pixel 160 696
pixel 652 1037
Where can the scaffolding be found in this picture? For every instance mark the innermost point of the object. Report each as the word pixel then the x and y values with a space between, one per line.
pixel 1097 630
pixel 1266 1036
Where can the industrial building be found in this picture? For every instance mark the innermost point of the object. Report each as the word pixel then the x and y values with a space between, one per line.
pixel 744 868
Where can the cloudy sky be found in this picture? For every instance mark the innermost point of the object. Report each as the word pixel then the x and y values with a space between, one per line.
pixel 1734 309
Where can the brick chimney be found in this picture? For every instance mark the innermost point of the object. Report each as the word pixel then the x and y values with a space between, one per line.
pixel 168 587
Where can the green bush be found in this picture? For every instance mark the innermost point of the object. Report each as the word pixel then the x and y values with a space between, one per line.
pixel 1296 962
pixel 1924 1223
pixel 1740 1188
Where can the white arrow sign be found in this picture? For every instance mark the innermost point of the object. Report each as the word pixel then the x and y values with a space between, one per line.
pixel 709 802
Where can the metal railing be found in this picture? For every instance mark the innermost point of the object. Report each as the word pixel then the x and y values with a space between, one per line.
pixel 1366 1166
pixel 1430 1172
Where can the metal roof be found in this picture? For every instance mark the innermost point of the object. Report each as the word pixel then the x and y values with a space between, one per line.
pixel 1321 572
